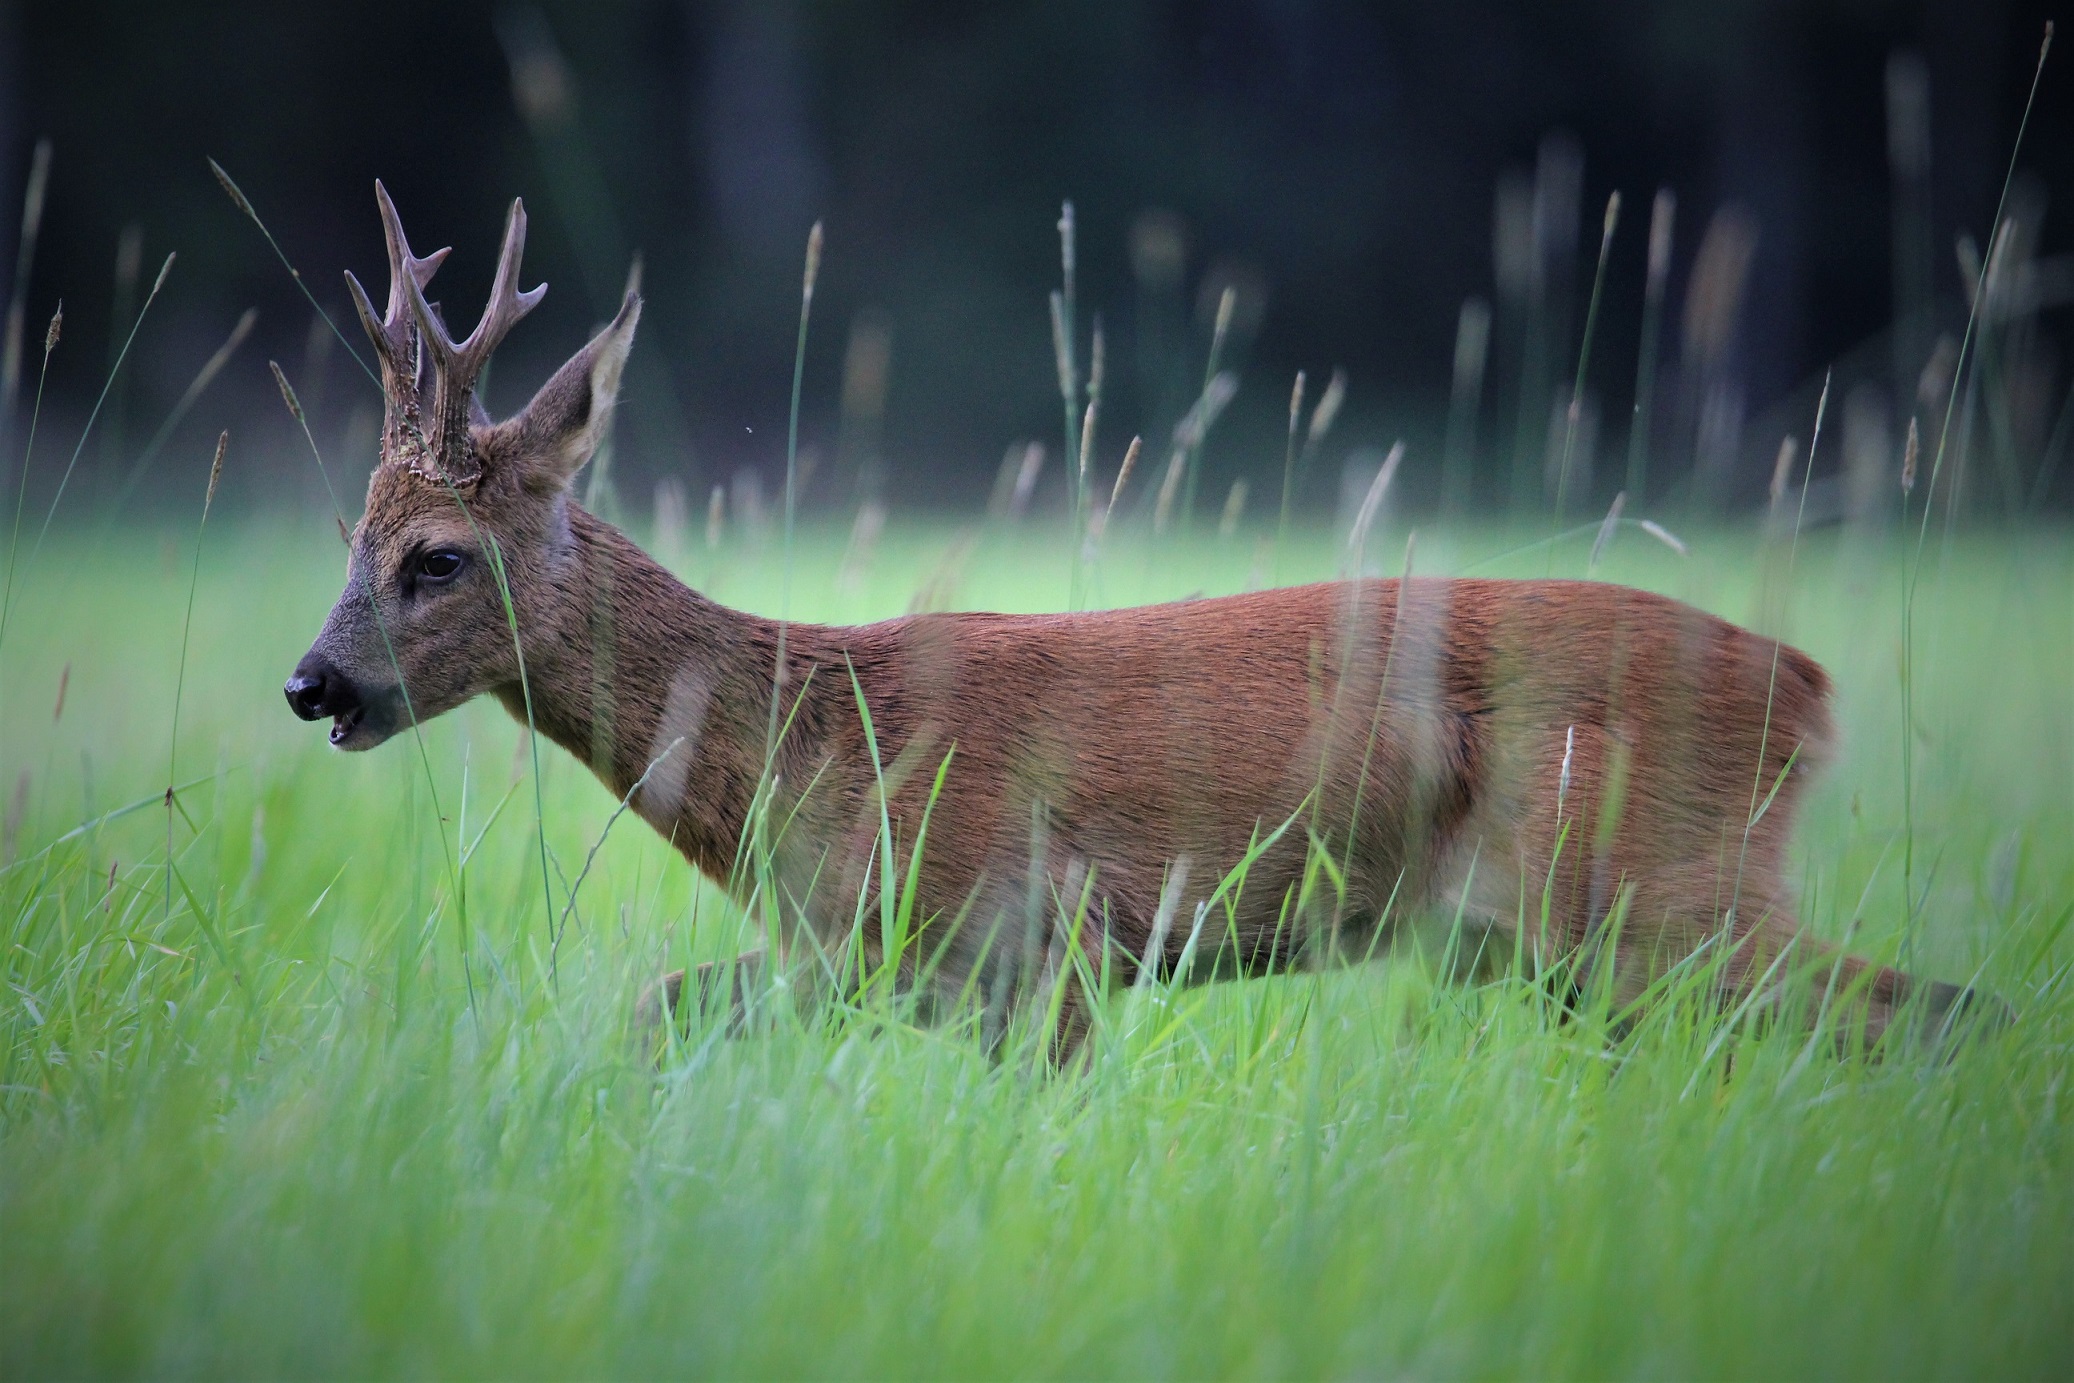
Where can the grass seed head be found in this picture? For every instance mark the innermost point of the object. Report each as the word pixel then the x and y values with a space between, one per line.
pixel 1357 537
pixel 1130 460
pixel 1789 447
pixel 1910 451
pixel 216 469
pixel 1234 508
pixel 1227 305
pixel 1968 251
pixel 1062 347
pixel 1094 365
pixel 230 190
pixel 1661 216
pixel 1026 478
pixel 1323 416
pixel 1195 425
pixel 57 326
pixel 287 390
pixel 1720 273
pixel 1664 536
pixel 813 263
pixel 1936 376
pixel 1087 440
pixel 1163 509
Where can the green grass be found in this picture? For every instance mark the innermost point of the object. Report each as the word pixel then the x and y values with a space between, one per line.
pixel 278 1128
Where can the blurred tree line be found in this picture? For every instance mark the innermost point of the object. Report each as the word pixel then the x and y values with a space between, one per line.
pixel 1412 193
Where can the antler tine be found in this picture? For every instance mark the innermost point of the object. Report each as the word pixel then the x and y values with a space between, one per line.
pixel 455 368
pixel 391 332
pixel 458 365
pixel 507 304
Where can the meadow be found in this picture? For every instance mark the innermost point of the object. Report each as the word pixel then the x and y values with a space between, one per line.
pixel 291 1084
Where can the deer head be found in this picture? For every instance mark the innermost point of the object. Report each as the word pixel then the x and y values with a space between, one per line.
pixel 456 501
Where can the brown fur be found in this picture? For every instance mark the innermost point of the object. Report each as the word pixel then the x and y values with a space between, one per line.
pixel 1415 730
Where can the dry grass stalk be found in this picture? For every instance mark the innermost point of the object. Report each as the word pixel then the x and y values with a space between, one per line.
pixel 1062 348
pixel 215 471
pixel 1591 318
pixel 1004 480
pixel 813 269
pixel 1068 257
pixel 25 258
pixel 1095 359
pixel 1289 454
pixel 1789 447
pixel 940 589
pixel 1714 300
pixel 1234 508
pixel 1472 356
pixel 670 521
pixel 1936 376
pixel 865 532
pixel 1357 537
pixel 1087 441
pixel 1663 214
pixel 1026 480
pixel 1607 527
pixel 1327 411
pixel 1123 476
pixel 1202 415
pixel 1163 510
pixel 195 389
pixel 1664 536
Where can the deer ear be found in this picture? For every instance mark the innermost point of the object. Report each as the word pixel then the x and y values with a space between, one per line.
pixel 558 431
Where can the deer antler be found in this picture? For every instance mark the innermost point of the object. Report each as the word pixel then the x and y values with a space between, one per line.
pixel 391 332
pixel 455 368
pixel 410 335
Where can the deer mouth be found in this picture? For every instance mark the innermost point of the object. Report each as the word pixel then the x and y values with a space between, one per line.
pixel 369 719
pixel 369 722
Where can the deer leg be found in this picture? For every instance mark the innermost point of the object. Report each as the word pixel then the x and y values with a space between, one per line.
pixel 1069 1035
pixel 732 982
pixel 1857 990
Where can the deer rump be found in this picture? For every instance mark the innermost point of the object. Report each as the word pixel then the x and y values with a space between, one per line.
pixel 1524 751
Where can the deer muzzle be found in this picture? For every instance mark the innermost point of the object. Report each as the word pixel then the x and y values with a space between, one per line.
pixel 318 688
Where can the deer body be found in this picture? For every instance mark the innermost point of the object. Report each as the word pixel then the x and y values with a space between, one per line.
pixel 1545 753
pixel 1435 736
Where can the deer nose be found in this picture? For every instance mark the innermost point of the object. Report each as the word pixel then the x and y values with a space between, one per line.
pixel 318 689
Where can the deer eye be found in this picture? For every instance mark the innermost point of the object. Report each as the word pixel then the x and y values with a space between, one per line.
pixel 440 566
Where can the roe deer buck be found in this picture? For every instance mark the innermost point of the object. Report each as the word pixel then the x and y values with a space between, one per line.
pixel 1517 749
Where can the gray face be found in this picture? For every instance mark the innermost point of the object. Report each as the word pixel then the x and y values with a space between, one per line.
pixel 419 627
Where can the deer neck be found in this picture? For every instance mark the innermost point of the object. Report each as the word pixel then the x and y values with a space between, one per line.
pixel 663 693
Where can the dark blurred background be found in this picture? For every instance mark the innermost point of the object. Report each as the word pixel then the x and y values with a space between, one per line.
pixel 1356 174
